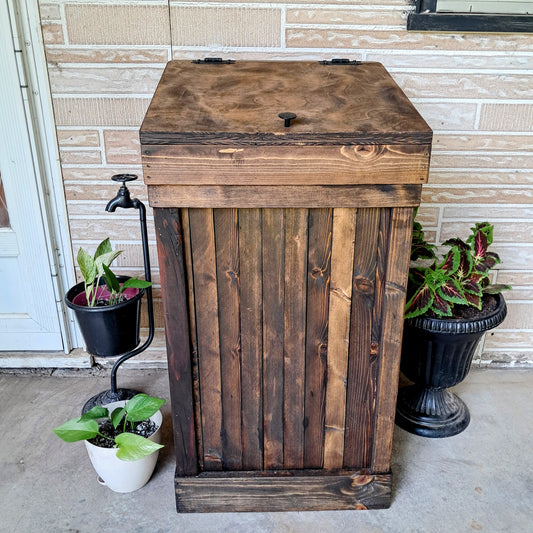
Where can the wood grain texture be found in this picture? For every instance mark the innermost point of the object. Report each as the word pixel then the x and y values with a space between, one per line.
pixel 360 396
pixel 184 216
pixel 206 297
pixel 227 266
pixel 285 165
pixel 302 196
pixel 283 491
pixel 318 282
pixel 294 336
pixel 273 333
pixel 391 334
pixel 251 299
pixel 340 303
pixel 174 290
pixel 241 101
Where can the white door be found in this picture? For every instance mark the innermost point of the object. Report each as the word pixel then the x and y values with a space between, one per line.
pixel 29 318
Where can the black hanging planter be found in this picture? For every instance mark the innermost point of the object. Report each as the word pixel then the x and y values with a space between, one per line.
pixel 436 354
pixel 109 330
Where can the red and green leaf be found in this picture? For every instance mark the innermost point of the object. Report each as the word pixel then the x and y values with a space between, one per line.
pixel 473 299
pixel 451 261
pixel 472 286
pixel 465 265
pixel 480 246
pixel 440 306
pixel 419 303
pixel 496 288
pixel 490 260
pixel 452 292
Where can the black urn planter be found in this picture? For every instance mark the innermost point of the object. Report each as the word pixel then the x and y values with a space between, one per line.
pixel 108 331
pixel 436 354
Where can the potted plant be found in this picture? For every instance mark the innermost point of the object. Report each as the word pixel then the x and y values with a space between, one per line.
pixel 122 439
pixel 450 304
pixel 107 307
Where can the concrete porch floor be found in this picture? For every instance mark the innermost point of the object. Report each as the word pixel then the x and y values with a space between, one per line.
pixel 480 480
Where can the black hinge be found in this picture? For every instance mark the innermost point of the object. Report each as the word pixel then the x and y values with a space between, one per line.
pixel 217 60
pixel 340 62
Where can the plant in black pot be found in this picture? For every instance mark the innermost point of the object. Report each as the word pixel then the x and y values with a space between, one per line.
pixel 450 304
pixel 107 307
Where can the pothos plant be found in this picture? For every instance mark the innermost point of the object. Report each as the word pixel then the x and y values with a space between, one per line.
pixel 460 277
pixel 97 267
pixel 131 446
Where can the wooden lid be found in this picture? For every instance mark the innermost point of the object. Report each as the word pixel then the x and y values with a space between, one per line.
pixel 240 103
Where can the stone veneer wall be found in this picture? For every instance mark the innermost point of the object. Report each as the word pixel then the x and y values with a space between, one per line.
pixel 475 91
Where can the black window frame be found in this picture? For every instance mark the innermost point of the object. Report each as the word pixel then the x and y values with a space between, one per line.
pixel 426 18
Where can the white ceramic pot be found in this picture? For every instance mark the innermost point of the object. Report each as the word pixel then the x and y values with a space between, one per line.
pixel 124 476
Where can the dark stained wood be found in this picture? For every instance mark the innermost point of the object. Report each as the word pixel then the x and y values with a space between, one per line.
pixel 470 22
pixel 362 354
pixel 205 287
pixel 331 102
pixel 174 291
pixel 340 303
pixel 283 165
pixel 287 490
pixel 227 259
pixel 391 334
pixel 273 333
pixel 194 340
pixel 294 336
pixel 318 281
pixel 293 264
pixel 302 196
pixel 251 300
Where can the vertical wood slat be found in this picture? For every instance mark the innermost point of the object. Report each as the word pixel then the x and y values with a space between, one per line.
pixel 184 217
pixel 227 267
pixel 340 300
pixel 294 336
pixel 173 283
pixel 205 286
pixel 251 297
pixel 391 335
pixel 318 281
pixel 273 329
pixel 360 393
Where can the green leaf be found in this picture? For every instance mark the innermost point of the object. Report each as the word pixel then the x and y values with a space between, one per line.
pixel 106 259
pixel 116 416
pixel 110 279
pixel 141 407
pixel 87 266
pixel 135 283
pixel 132 447
pixel 96 412
pixel 77 429
pixel 103 248
pixel 496 288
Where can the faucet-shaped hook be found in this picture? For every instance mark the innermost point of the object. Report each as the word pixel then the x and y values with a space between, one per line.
pixel 123 198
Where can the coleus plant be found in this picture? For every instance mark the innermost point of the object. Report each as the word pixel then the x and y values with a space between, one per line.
pixel 97 267
pixel 131 446
pixel 461 277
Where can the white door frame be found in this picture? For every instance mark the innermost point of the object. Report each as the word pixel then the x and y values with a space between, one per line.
pixel 26 28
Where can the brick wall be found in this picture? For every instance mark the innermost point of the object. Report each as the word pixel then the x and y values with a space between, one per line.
pixel 475 91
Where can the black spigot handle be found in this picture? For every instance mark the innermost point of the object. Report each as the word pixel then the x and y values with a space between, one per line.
pixel 123 178
pixel 287 117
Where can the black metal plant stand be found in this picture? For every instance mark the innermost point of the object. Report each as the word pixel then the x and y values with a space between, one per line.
pixel 123 199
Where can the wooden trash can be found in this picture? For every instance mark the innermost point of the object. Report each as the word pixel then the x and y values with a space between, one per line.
pixel 283 252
